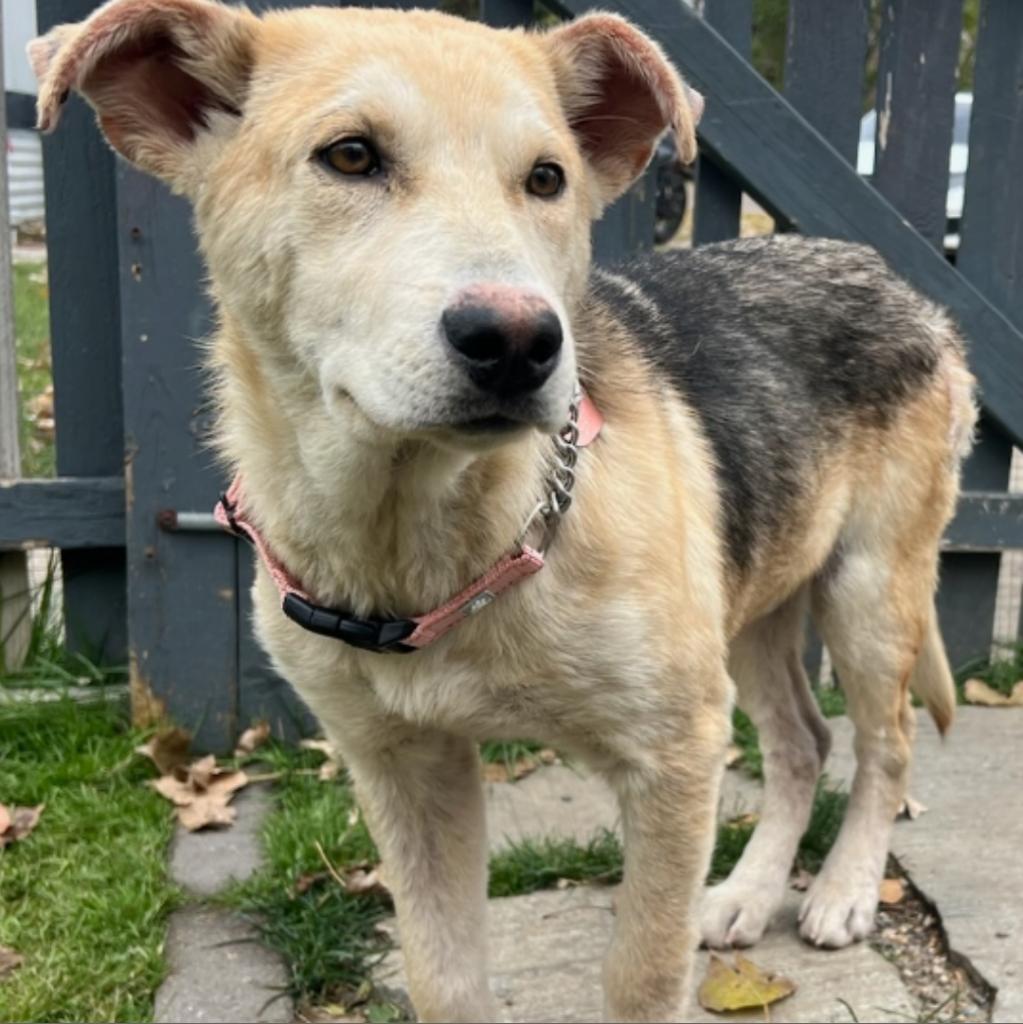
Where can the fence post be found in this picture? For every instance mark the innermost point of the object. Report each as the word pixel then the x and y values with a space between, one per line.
pixel 718 213
pixel 15 600
pixel 85 336
pixel 990 255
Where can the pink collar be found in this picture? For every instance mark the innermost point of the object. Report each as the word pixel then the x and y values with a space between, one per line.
pixel 407 635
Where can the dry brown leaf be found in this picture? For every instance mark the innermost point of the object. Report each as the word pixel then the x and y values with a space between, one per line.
pixel 323 746
pixel 305 882
pixel 740 986
pixel 253 737
pixel 976 691
pixel 362 881
pixel 169 749
pixel 733 755
pixel 495 772
pixel 206 812
pixel 201 793
pixel 330 768
pixel 9 961
pixel 892 890
pixel 910 808
pixel 801 880
pixel 17 823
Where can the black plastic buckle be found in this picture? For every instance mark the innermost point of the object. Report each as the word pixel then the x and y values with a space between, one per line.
pixel 382 636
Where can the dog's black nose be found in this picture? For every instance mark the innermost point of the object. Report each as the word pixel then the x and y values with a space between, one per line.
pixel 508 345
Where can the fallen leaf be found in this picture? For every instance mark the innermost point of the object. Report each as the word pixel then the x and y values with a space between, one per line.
pixel 330 768
pixel 495 772
pixel 321 745
pixel 910 808
pixel 740 986
pixel 801 880
pixel 201 792
pixel 892 890
pixel 305 882
pixel 168 749
pixel 733 755
pixel 17 822
pixel 977 691
pixel 361 882
pixel 9 961
pixel 253 737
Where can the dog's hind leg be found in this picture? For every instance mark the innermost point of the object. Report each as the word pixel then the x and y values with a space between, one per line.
pixel 876 616
pixel 422 794
pixel 773 689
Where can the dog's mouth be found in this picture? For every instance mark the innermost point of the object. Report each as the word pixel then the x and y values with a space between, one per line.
pixel 496 424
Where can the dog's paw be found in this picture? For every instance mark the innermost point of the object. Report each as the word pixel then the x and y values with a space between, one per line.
pixel 736 915
pixel 836 914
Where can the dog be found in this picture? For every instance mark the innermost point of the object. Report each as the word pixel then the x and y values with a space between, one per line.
pixel 499 493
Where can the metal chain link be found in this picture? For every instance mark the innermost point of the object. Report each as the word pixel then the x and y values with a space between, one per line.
pixel 561 481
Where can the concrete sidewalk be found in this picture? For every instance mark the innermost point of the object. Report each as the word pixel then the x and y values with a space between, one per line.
pixel 965 854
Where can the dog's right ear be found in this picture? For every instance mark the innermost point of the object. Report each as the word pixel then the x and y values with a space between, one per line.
pixel 161 74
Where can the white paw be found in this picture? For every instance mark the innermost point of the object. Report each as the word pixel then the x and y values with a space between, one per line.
pixel 838 913
pixel 736 915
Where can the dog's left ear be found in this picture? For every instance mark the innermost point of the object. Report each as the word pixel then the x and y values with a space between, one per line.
pixel 620 94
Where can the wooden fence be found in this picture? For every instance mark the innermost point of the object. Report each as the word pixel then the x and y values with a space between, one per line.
pixel 126 303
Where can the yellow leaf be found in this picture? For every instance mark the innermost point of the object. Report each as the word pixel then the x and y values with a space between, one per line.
pixel 740 986
pixel 977 691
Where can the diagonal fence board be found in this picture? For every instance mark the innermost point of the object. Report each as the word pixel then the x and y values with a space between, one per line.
pixel 795 173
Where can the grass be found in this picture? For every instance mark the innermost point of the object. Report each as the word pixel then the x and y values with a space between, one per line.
pixel 48 664
pixel 35 375
pixel 326 935
pixel 86 896
pixel 541 864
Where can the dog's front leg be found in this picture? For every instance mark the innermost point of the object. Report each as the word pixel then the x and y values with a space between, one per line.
pixel 668 817
pixel 422 795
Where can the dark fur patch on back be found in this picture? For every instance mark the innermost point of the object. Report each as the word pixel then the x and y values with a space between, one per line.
pixel 778 344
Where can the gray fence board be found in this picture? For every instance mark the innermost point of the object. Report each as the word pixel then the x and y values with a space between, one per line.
pixel 81 228
pixel 916 78
pixel 181 586
pixel 825 59
pixel 796 174
pixel 506 13
pixel 70 514
pixel 718 212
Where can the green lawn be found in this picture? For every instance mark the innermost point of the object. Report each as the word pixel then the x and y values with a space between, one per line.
pixel 84 898
pixel 32 333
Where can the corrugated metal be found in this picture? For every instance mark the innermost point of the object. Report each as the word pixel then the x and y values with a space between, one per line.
pixel 25 176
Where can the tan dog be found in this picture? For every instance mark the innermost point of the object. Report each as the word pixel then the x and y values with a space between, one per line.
pixel 395 210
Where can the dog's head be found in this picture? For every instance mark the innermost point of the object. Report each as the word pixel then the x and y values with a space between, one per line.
pixel 395 205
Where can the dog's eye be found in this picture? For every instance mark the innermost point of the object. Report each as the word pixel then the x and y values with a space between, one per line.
pixel 353 156
pixel 546 180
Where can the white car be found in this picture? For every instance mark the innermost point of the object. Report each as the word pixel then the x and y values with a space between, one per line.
pixel 957 163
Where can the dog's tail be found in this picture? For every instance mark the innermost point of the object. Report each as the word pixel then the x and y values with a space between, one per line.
pixel 931 678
